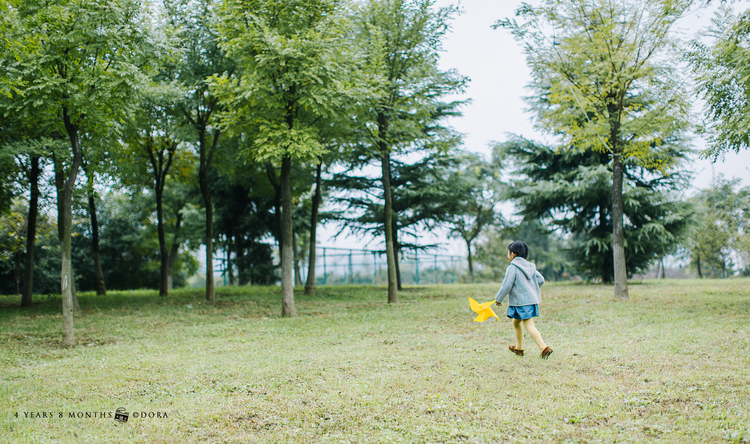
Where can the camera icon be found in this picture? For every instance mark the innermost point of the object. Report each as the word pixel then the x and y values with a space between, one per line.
pixel 121 415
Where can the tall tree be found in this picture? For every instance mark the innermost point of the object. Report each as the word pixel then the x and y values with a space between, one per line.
pixel 401 41
pixel 193 23
pixel 152 137
pixel 76 62
pixel 295 70
pixel 604 82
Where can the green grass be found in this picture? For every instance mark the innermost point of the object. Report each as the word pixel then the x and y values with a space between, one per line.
pixel 669 365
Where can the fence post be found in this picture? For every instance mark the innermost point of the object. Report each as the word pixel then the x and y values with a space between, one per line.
pixel 325 274
pixel 375 268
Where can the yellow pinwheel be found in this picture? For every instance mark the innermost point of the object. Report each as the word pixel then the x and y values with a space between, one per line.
pixel 484 310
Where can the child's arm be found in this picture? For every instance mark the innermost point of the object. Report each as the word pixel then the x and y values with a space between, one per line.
pixel 539 278
pixel 510 277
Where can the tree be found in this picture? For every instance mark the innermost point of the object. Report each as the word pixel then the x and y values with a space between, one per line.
pixel 721 236
pixel 401 41
pixel 295 73
pixel 152 138
pixel 203 57
pixel 604 83
pixel 477 190
pixel 67 89
pixel 425 196
pixel 723 76
pixel 570 189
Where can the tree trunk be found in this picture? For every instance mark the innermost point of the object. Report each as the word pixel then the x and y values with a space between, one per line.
pixel 287 249
pixel 271 174
pixel 618 239
pixel 17 273
pixel 174 250
pixel 470 259
pixel 297 274
pixel 28 279
pixel 698 266
pixel 239 253
pixel 396 255
pixel 210 292
pixel 317 197
pixel 163 253
pixel 387 215
pixel 101 289
pixel 205 164
pixel 61 186
pixel 663 274
pixel 65 204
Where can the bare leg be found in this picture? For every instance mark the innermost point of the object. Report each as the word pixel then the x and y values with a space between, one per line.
pixel 519 334
pixel 535 335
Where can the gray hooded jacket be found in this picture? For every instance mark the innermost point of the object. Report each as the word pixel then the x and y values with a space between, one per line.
pixel 521 284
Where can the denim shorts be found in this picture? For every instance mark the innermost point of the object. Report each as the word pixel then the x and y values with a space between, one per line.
pixel 523 312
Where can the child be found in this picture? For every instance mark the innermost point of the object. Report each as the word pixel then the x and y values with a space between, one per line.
pixel 521 285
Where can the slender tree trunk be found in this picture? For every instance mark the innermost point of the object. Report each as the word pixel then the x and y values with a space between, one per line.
pixel 271 174
pixel 396 256
pixel 698 266
pixel 101 289
pixel 618 239
pixel 297 274
pixel 387 215
pixel 310 284
pixel 61 186
pixel 470 259
pixel 663 274
pixel 163 253
pixel 65 204
pixel 173 251
pixel 28 279
pixel 206 157
pixel 287 249
pixel 17 273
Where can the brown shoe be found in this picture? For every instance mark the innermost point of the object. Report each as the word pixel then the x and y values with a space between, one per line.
pixel 515 350
pixel 546 352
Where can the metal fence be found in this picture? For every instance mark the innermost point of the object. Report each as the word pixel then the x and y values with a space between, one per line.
pixel 336 266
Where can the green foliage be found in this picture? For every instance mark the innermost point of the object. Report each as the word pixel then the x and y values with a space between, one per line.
pixel 295 69
pixel 722 70
pixel 546 250
pixel 94 80
pixel 602 75
pixel 13 226
pixel 425 195
pixel 572 189
pixel 721 238
pixel 476 190
pixel 129 246
pixel 400 41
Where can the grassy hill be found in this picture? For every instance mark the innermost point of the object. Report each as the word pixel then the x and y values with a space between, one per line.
pixel 669 365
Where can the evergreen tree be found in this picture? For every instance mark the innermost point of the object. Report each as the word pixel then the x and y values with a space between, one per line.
pixel 571 188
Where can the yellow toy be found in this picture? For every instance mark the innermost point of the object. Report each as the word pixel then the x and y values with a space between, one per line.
pixel 484 310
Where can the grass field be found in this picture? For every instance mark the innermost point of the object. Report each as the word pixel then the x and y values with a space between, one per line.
pixel 669 365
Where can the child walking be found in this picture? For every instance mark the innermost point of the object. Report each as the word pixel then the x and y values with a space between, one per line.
pixel 521 285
